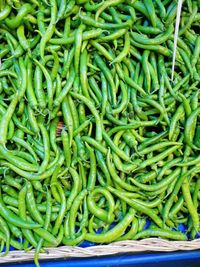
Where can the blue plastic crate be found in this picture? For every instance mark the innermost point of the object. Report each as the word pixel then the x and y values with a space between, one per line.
pixel 172 259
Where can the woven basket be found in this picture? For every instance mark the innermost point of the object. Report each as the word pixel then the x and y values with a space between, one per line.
pixel 129 246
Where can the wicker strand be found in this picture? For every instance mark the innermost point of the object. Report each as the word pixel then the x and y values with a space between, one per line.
pixel 129 246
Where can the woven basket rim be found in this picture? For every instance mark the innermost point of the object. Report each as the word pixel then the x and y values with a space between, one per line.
pixel 128 246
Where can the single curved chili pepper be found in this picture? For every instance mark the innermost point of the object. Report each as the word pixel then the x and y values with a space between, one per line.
pixel 114 233
pixel 30 90
pixel 53 183
pixel 115 35
pixel 5 12
pixel 125 50
pixel 124 101
pixel 156 41
pixel 22 39
pixel 146 70
pixel 24 78
pixel 32 119
pixel 158 157
pixel 10 191
pixel 62 211
pixel 101 64
pixel 50 30
pixel 22 213
pixel 190 127
pixel 49 83
pixel 46 143
pixel 186 60
pixel 189 202
pixel 77 47
pixel 105 5
pixel 83 73
pixel 31 204
pixel 138 206
pixel 167 166
pixel 16 21
pixel 194 100
pixel 116 178
pixel 4 122
pixel 68 62
pixel 152 140
pixel 74 191
pixel 91 22
pixel 158 48
pixel 189 22
pixel 6 231
pixel 151 12
pixel 46 225
pixel 62 9
pixel 177 206
pixel 132 232
pixel 66 147
pixel 33 176
pixel 87 35
pixel 156 147
pixel 196 52
pixel 164 233
pixel 66 89
pixel 73 212
pixel 90 105
pixel 159 185
pixel 92 174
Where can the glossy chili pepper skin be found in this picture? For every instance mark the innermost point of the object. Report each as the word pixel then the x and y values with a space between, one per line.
pixel 95 137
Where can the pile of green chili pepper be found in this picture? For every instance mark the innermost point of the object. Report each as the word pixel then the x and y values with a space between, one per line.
pixel 95 139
